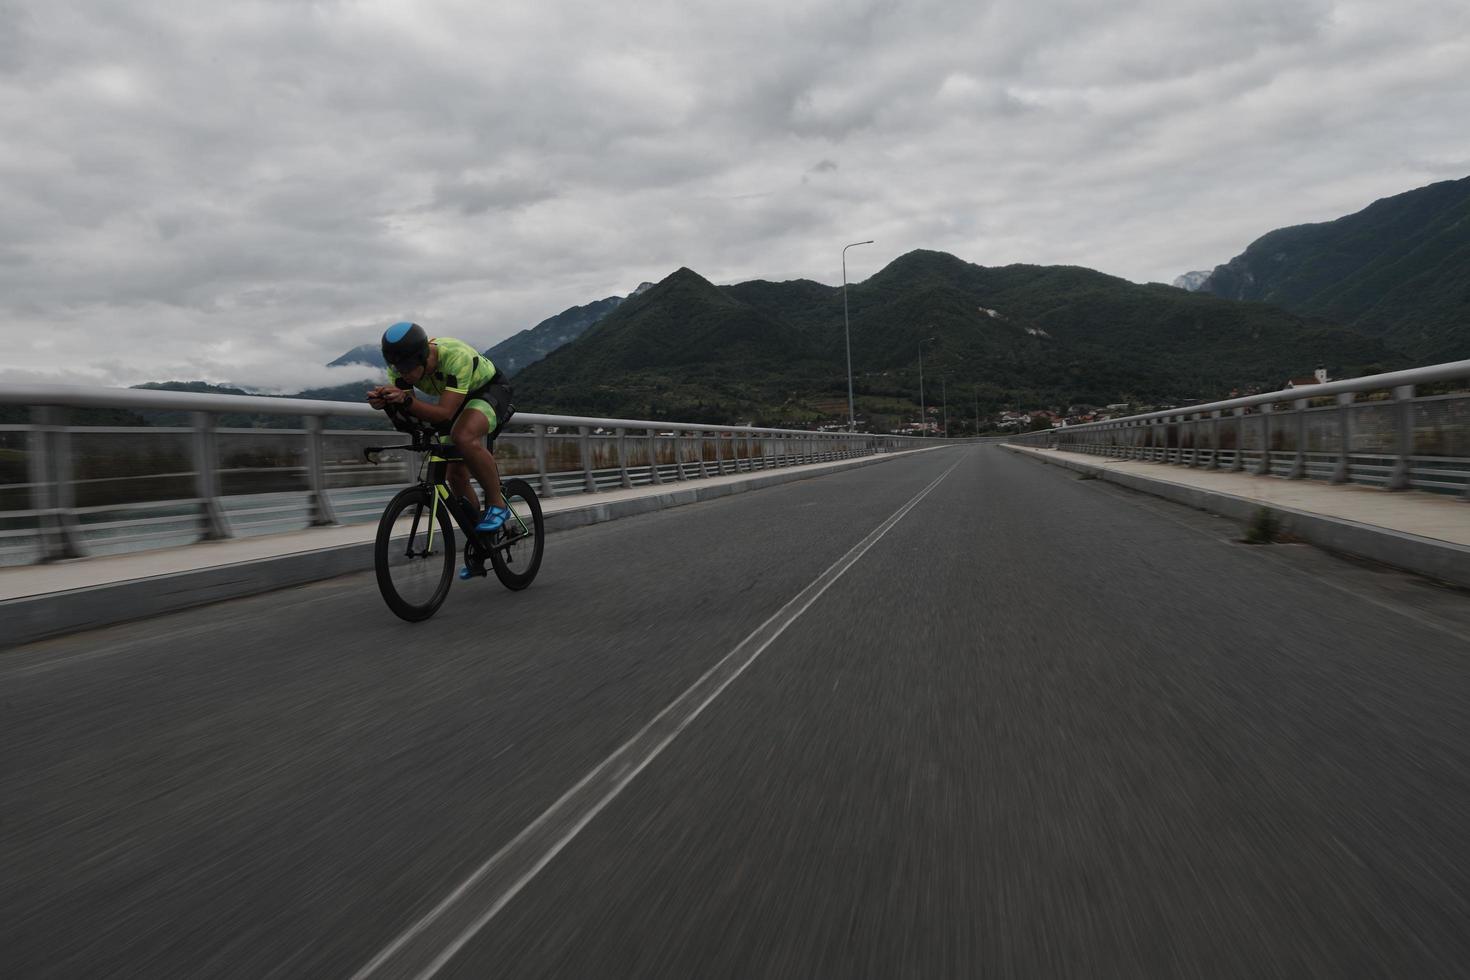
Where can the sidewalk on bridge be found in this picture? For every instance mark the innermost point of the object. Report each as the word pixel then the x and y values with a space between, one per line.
pixel 61 597
pixel 1419 532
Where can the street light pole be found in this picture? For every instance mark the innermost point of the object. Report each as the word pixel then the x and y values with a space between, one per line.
pixel 923 409
pixel 923 412
pixel 847 334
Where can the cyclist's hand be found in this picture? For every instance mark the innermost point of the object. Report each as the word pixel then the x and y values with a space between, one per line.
pixel 392 396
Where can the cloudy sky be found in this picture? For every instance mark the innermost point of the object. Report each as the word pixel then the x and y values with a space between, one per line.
pixel 239 192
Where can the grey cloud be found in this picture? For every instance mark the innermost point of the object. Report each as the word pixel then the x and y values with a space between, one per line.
pixel 473 196
pixel 305 173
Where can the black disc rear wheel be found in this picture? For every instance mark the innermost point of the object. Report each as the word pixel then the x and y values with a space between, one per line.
pixel 415 568
pixel 515 551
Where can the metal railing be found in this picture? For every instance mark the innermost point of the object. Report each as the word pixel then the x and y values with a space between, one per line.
pixel 1381 430
pixel 68 490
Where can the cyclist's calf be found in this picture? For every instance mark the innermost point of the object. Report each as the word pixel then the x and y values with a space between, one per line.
pixel 469 434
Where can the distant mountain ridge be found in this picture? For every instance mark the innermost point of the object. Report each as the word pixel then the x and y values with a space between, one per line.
pixel 523 348
pixel 1019 334
pixel 1399 269
pixel 531 345
pixel 1384 288
pixel 370 355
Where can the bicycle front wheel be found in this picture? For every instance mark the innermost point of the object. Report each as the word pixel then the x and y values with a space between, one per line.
pixel 415 566
pixel 516 549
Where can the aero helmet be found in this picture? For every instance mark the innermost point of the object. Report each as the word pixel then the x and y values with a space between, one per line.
pixel 405 346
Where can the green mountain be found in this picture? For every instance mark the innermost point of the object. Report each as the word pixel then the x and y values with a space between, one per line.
pixel 529 346
pixel 1399 269
pixel 1021 335
pixel 683 346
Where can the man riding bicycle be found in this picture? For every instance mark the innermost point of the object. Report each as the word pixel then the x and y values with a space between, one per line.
pixel 473 403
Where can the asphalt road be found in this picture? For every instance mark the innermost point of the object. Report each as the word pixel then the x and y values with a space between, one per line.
pixel 958 714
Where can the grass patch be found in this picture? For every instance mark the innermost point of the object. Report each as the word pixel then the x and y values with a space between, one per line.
pixel 1263 528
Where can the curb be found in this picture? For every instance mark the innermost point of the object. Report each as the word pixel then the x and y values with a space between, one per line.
pixel 30 618
pixel 1444 561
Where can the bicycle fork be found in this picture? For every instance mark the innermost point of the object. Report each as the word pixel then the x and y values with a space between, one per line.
pixel 413 530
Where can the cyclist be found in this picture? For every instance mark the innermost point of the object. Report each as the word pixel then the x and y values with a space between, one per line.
pixel 473 403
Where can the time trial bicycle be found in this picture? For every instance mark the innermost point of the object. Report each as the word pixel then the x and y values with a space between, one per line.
pixel 414 554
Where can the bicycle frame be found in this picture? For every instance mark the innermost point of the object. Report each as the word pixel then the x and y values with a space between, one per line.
pixel 433 476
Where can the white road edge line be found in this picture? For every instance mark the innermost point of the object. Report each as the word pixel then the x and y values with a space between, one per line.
pixel 565 808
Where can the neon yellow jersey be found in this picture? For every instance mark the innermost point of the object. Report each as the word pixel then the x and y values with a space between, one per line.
pixel 461 368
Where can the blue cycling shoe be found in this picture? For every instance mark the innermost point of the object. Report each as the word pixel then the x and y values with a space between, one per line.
pixel 493 520
pixel 466 573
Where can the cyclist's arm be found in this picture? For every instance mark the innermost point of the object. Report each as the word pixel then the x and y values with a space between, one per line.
pixel 449 403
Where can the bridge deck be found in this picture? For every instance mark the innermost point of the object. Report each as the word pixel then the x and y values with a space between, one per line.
pixel 989 719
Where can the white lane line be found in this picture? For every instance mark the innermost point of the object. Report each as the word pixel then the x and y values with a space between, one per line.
pixel 426 946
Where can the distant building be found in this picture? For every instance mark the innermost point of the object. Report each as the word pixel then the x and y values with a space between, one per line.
pixel 1318 377
pixel 1011 420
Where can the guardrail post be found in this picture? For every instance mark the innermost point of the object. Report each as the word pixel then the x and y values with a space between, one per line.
pixel 213 525
pixel 679 454
pixel 623 477
pixel 1264 469
pixel 584 448
pixel 653 474
pixel 1237 465
pixel 699 440
pixel 541 465
pixel 719 454
pixel 1216 426
pixel 1343 471
pixel 1299 465
pixel 316 470
pixel 52 491
pixel 1403 403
